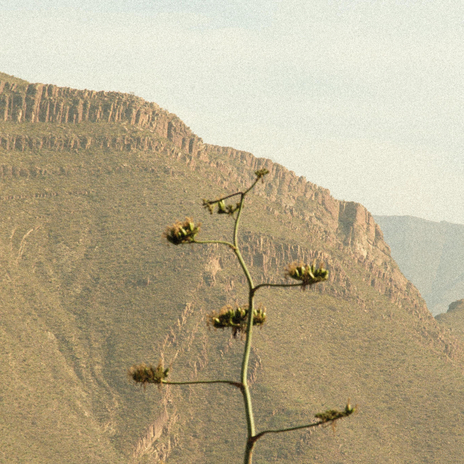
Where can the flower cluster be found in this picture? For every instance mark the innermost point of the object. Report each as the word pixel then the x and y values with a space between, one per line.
pixel 332 415
pixel 261 173
pixel 236 318
pixel 141 373
pixel 182 232
pixel 222 208
pixel 307 274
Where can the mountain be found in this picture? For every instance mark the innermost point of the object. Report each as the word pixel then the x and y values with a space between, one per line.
pixel 89 181
pixel 453 319
pixel 430 254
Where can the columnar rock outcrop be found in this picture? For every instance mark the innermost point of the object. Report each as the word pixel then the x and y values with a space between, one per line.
pixel 48 103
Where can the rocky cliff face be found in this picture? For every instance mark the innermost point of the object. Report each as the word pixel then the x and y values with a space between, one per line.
pixel 47 103
pixel 339 224
pixel 342 225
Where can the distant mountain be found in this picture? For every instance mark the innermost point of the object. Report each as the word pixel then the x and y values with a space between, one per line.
pixel 453 319
pixel 431 256
pixel 88 183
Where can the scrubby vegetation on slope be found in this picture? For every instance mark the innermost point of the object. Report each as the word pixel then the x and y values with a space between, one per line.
pixel 87 287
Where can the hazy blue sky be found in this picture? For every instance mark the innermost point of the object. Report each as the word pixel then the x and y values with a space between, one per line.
pixel 363 97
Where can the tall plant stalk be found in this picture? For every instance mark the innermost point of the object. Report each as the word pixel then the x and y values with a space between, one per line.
pixel 241 319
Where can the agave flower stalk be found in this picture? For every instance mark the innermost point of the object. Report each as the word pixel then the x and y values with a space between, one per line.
pixel 240 319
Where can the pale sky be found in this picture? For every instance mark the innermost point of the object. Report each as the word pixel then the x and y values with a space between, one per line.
pixel 363 97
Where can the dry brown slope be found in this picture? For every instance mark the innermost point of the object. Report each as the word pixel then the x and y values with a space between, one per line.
pixel 96 194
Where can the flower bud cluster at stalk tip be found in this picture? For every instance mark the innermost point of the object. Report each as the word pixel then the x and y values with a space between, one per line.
pixel 236 319
pixel 182 232
pixel 307 274
pixel 222 208
pixel 261 173
pixel 141 373
pixel 334 414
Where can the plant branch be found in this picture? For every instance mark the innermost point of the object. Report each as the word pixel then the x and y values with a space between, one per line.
pixel 214 242
pixel 213 202
pixel 289 429
pixel 252 186
pixel 275 285
pixel 328 417
pixel 230 382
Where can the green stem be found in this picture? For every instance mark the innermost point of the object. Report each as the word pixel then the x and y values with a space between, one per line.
pixel 246 353
pixel 249 333
pixel 214 242
pixel 289 429
pixel 224 198
pixel 251 187
pixel 276 285
pixel 230 382
pixel 232 194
